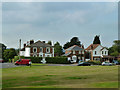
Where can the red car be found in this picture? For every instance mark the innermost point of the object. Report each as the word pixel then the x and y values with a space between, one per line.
pixel 1 61
pixel 23 62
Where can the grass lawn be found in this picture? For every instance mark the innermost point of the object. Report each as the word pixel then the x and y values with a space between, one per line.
pixel 61 77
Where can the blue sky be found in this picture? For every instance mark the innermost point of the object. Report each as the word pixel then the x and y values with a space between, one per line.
pixel 59 21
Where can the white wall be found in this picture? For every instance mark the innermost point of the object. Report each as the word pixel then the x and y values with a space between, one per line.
pixel 98 50
pixel 22 53
pixel 46 55
pixel 104 51
pixel 27 52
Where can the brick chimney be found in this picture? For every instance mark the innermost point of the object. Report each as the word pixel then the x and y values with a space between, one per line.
pixel 24 45
pixel 31 42
pixel 43 41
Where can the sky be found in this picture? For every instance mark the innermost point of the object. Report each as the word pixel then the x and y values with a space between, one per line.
pixel 59 21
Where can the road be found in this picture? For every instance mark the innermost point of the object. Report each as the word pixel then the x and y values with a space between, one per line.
pixel 7 65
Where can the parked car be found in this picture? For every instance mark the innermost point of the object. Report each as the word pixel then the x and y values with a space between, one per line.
pixel 23 62
pixel 1 61
pixel 84 64
pixel 115 62
pixel 107 64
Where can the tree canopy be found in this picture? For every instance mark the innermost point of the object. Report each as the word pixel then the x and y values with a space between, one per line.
pixel 115 49
pixel 96 40
pixel 9 54
pixel 73 41
pixel 49 42
pixel 58 49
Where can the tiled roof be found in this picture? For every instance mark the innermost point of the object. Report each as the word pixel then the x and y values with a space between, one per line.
pixel 75 47
pixel 67 54
pixel 92 46
pixel 40 44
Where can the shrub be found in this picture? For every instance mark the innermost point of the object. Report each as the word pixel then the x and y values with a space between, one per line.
pixel 17 58
pixel 57 60
pixel 94 62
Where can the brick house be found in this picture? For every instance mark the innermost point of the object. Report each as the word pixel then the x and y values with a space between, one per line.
pixel 37 49
pixel 75 53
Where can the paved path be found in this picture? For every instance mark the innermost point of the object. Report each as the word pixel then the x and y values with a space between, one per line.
pixel 7 65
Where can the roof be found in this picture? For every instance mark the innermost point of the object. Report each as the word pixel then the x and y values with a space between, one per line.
pixel 92 47
pixel 75 47
pixel 40 44
pixel 67 54
pixel 104 48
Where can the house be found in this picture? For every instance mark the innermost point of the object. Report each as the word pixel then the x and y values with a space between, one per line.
pixel 75 53
pixel 2 48
pixel 37 49
pixel 97 51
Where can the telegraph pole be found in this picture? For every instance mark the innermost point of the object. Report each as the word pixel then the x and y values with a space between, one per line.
pixel 19 48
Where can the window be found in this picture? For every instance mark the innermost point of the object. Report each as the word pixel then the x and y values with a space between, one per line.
pixel 95 52
pixel 41 49
pixel 34 49
pixel 73 52
pixel 79 52
pixel 34 55
pixel 105 52
pixel 47 49
pixel 82 52
pixel 102 52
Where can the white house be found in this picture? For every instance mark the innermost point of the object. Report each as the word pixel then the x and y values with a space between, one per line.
pixel 97 51
pixel 37 49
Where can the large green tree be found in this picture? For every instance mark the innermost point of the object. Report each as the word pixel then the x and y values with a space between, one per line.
pixel 58 49
pixel 96 40
pixel 115 49
pixel 73 41
pixel 49 42
pixel 9 54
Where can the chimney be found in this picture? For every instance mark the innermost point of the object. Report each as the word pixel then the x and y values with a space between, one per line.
pixel 31 42
pixel 28 43
pixel 43 41
pixel 24 45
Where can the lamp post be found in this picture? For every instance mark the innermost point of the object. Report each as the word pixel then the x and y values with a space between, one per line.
pixel 19 48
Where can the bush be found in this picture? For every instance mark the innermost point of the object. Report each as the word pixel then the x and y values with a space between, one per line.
pixel 57 60
pixel 17 58
pixel 94 62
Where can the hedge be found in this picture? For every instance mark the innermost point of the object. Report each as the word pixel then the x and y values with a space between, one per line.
pixel 35 59
pixel 94 62
pixel 57 60
pixel 53 60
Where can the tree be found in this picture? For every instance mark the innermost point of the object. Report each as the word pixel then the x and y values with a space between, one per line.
pixel 58 49
pixel 96 40
pixel 49 42
pixel 115 49
pixel 73 41
pixel 9 54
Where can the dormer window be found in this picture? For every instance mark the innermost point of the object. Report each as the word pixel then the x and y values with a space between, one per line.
pixel 34 49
